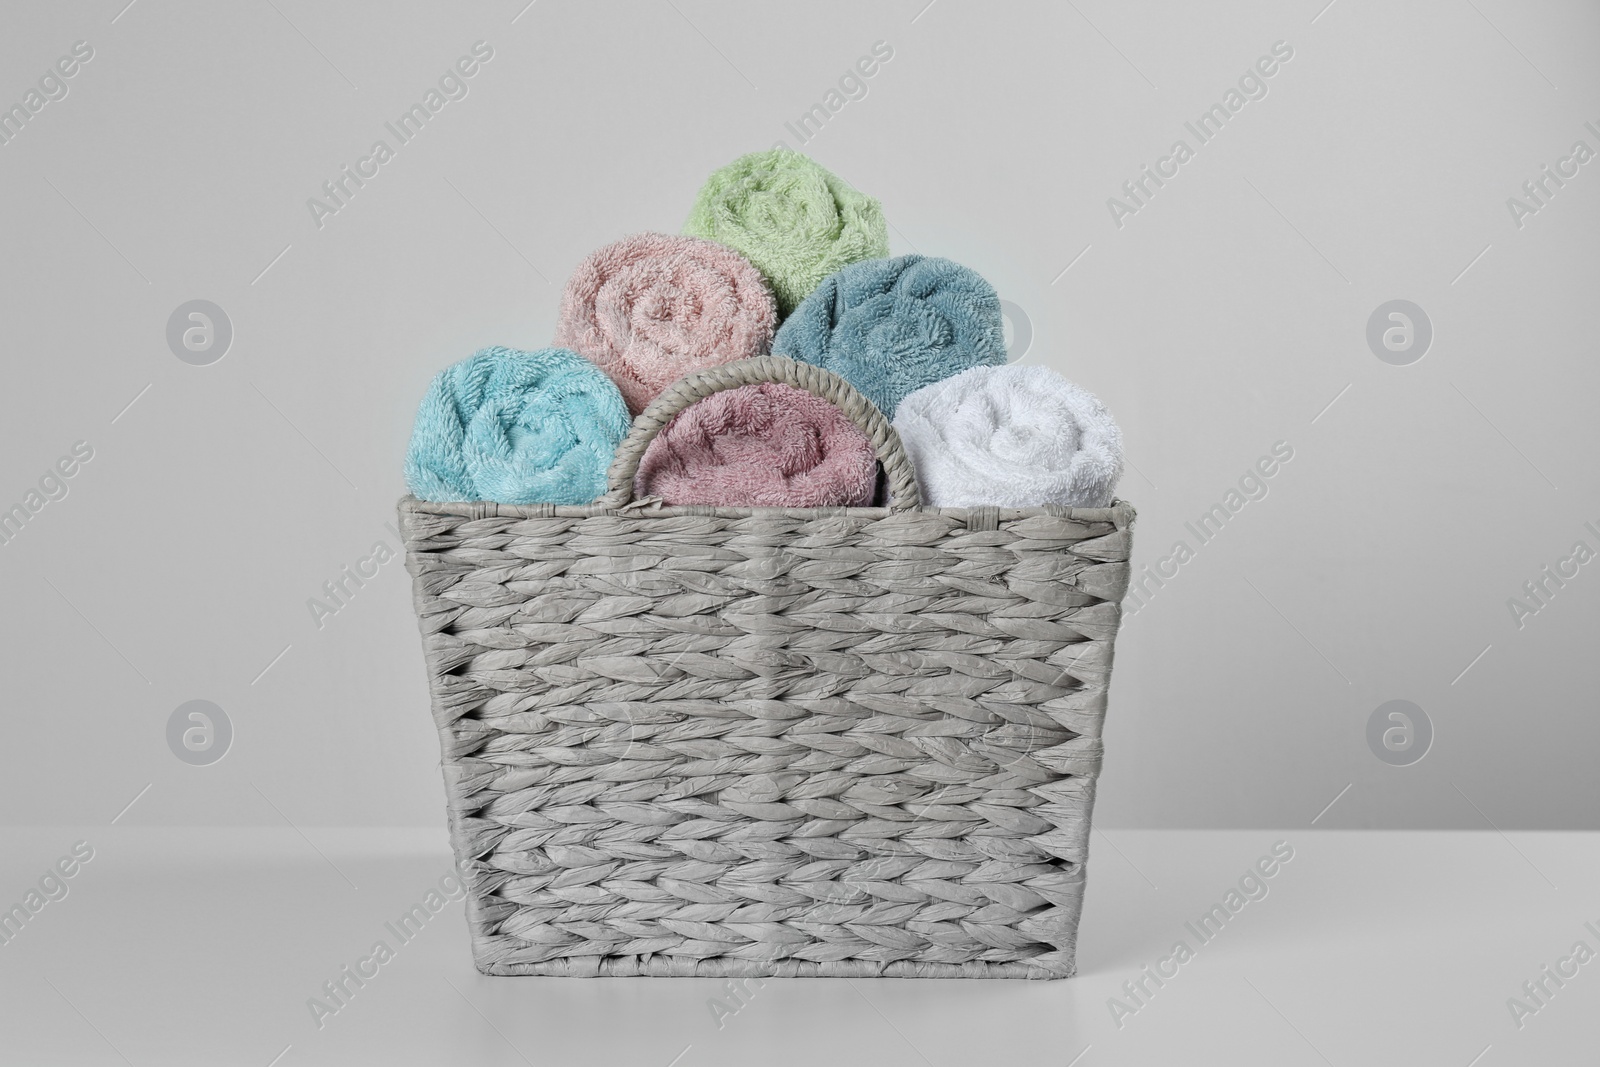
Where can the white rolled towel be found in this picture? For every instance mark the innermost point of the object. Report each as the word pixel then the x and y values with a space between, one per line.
pixel 1010 437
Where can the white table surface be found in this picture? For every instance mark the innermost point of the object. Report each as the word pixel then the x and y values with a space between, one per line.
pixel 203 946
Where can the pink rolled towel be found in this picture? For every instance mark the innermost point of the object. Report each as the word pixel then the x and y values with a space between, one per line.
pixel 651 308
pixel 764 445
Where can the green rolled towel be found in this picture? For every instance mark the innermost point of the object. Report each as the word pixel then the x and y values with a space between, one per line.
pixel 789 216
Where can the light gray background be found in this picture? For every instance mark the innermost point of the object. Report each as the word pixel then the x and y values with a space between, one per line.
pixel 1223 317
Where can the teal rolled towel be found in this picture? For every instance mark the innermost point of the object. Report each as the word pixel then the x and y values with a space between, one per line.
pixel 891 326
pixel 516 427
pixel 791 217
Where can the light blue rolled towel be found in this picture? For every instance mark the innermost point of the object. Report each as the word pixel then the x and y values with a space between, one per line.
pixel 891 326
pixel 516 427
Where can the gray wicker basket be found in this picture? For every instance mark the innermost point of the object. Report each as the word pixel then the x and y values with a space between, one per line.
pixel 763 741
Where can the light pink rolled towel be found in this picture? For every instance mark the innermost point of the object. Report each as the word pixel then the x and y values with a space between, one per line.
pixel 764 445
pixel 651 308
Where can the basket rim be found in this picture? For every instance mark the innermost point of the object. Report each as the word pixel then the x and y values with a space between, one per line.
pixel 1120 512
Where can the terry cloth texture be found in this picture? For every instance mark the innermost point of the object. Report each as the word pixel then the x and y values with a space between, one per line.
pixel 516 427
pixel 797 222
pixel 765 445
pixel 651 308
pixel 1016 437
pixel 892 326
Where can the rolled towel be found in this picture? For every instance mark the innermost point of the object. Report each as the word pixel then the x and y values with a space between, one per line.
pixel 797 222
pixel 1013 437
pixel 763 445
pixel 891 326
pixel 516 428
pixel 649 309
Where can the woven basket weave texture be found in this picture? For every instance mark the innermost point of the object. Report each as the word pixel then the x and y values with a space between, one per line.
pixel 754 741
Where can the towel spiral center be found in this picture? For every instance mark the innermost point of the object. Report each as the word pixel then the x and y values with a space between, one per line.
pixel 650 308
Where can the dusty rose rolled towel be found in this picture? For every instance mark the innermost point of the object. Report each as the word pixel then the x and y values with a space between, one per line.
pixel 765 445
pixel 651 308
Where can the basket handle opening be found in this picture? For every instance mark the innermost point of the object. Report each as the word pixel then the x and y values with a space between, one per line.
pixel 898 473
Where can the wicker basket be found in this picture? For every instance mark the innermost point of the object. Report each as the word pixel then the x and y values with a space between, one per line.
pixel 764 741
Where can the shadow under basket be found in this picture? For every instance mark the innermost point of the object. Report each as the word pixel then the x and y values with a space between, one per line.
pixel 769 742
